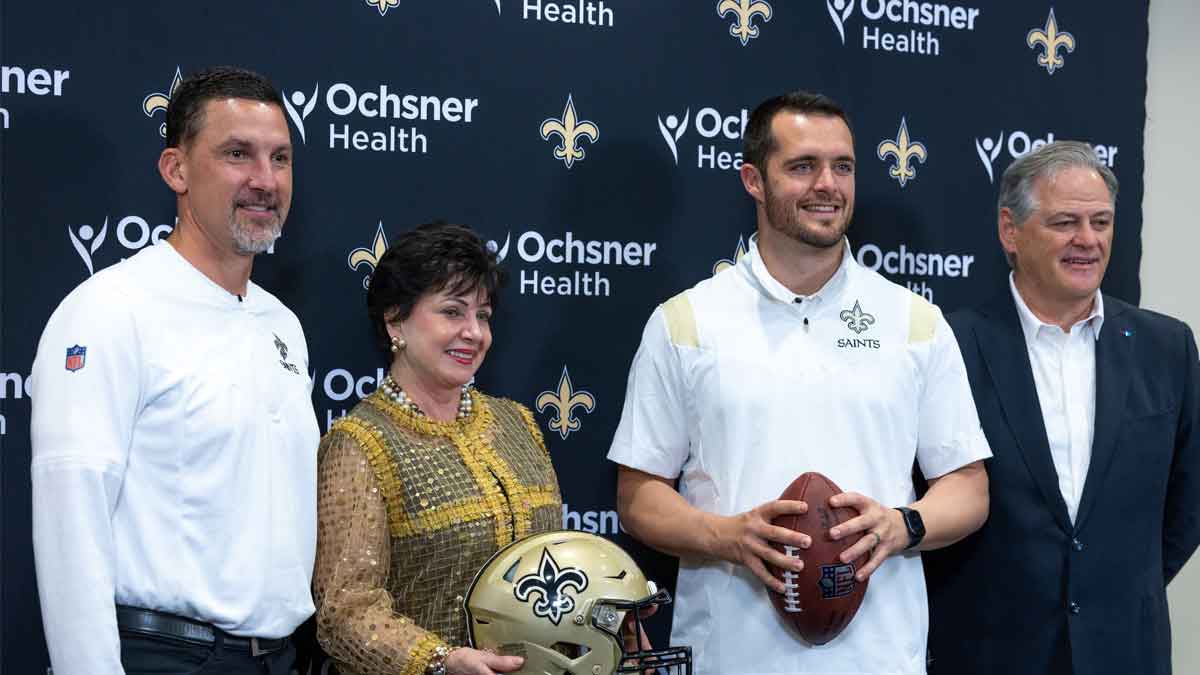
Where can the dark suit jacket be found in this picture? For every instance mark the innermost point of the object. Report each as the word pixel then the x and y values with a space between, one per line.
pixel 1032 593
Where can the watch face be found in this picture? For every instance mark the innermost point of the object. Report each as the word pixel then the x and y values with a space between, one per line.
pixel 916 526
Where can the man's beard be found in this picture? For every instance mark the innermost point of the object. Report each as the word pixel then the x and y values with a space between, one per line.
pixel 250 240
pixel 784 217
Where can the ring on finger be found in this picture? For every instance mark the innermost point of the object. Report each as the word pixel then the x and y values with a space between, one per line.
pixel 878 540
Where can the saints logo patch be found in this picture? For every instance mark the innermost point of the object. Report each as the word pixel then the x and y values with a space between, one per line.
pixel 856 319
pixel 283 352
pixel 547 588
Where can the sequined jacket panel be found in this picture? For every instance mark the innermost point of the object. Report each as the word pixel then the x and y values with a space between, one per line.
pixel 408 511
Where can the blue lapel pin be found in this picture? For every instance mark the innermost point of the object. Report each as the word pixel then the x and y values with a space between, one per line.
pixel 1128 333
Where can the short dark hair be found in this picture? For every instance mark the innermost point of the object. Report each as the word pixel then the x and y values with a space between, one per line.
pixel 185 112
pixel 433 257
pixel 758 142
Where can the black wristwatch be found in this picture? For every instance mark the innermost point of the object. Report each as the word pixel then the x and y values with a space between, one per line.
pixel 914 525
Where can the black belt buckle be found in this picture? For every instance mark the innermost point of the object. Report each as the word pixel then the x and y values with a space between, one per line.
pixel 265 646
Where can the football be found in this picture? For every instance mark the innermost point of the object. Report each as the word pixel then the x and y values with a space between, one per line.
pixel 821 600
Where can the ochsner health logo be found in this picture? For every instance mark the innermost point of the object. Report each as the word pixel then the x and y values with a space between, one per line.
pixel 672 130
pixel 87 234
pixel 839 11
pixel 906 26
pixel 988 149
pixel 1021 143
pixel 133 233
pixel 378 117
pixel 721 134
pixel 299 106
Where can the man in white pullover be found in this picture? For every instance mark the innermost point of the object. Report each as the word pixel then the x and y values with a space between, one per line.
pixel 174 440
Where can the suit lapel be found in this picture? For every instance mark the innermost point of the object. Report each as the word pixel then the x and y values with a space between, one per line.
pixel 1114 367
pixel 1002 344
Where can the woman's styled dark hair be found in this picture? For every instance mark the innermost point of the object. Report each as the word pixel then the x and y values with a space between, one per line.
pixel 433 257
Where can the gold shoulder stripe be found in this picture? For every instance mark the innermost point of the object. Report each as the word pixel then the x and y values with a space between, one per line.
pixel 922 320
pixel 681 321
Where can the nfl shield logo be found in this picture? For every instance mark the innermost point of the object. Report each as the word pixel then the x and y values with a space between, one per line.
pixel 837 581
pixel 75 357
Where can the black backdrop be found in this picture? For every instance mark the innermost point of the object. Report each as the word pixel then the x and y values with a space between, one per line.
pixel 404 111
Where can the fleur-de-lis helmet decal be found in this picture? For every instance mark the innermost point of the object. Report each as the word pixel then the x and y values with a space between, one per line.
pixel 548 586
pixel 155 102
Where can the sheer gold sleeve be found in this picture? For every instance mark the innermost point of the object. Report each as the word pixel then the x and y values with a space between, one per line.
pixel 356 623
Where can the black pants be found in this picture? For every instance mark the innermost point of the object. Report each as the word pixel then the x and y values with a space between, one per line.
pixel 143 655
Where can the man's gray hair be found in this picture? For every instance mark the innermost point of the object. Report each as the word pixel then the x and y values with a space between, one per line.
pixel 1016 185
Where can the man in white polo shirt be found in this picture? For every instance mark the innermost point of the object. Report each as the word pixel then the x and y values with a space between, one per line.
pixel 798 359
pixel 174 440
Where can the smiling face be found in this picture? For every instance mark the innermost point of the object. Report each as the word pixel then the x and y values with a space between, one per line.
pixel 1062 249
pixel 807 192
pixel 235 177
pixel 447 338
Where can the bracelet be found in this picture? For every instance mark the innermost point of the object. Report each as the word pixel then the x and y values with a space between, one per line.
pixel 437 665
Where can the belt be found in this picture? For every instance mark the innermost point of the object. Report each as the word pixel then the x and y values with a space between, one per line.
pixel 161 624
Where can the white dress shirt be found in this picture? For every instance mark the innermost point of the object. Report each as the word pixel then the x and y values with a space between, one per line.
pixel 174 461
pixel 1064 372
pixel 739 386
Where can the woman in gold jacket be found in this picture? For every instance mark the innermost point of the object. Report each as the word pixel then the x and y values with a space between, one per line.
pixel 427 477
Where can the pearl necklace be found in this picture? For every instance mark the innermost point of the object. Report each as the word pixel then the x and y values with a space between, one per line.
pixel 397 394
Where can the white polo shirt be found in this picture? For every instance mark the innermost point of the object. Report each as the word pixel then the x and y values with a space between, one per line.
pixel 739 386
pixel 174 459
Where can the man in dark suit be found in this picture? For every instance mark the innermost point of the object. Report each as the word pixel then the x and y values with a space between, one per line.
pixel 1091 407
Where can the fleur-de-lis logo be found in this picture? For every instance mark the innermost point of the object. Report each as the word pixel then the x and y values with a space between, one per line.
pixel 549 585
pixel 1051 40
pixel 564 401
pixel 904 150
pixel 383 5
pixel 571 131
pixel 856 319
pixel 281 346
pixel 369 256
pixel 725 263
pixel 744 11
pixel 155 102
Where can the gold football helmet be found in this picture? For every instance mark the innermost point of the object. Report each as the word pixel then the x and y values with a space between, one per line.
pixel 560 600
